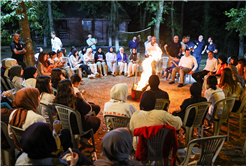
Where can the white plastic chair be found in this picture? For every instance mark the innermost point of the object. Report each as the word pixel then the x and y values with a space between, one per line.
pixel 7 155
pixel 162 64
pixel 45 108
pixel 113 122
pixel 74 69
pixel 18 132
pixel 210 148
pixel 12 85
pixel 5 86
pixel 54 91
pixel 64 114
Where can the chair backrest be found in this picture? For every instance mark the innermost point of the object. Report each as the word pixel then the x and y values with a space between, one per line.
pixel 243 94
pixel 64 114
pixel 45 108
pixel 18 132
pixel 10 83
pixel 164 61
pixel 201 110
pixel 54 91
pixel 155 145
pixel 4 84
pixel 161 103
pixel 4 128
pixel 242 106
pixel 114 122
pixel 39 73
pixel 210 148
pixel 222 109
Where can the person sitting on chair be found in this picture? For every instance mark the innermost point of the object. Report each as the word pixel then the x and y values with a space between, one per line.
pixel 185 67
pixel 122 61
pixel 132 67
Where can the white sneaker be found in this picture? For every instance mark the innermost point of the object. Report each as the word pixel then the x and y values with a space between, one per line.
pixel 105 75
pixel 90 76
pixel 96 74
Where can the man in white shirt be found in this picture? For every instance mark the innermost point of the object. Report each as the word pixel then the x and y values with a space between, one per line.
pixel 55 42
pixel 185 67
pixel 211 66
pixel 145 44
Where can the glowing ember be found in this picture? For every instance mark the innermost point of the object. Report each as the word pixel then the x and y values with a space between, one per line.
pixel 147 68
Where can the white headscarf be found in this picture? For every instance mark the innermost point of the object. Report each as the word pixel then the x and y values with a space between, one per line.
pixel 119 92
pixel 9 63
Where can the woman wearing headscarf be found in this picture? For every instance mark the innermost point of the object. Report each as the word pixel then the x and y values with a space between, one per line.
pixel 82 52
pixel 195 91
pixel 8 64
pixel 30 75
pixel 15 75
pixel 117 105
pixel 132 67
pixel 100 60
pixel 116 146
pixel 3 69
pixel 154 82
pixel 38 144
pixel 148 116
pixel 111 60
pixel 90 61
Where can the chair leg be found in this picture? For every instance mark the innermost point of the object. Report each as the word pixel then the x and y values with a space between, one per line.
pixel 188 135
pixel 216 128
pixel 93 140
pixel 228 129
pixel 240 123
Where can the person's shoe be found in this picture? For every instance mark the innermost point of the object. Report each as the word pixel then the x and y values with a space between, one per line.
pixel 180 85
pixel 120 74
pixel 105 75
pixel 90 76
pixel 128 76
pixel 101 75
pixel 172 82
pixel 114 75
pixel 96 74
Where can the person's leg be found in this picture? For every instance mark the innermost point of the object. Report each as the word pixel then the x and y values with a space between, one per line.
pixel 130 68
pixel 134 68
pixel 95 67
pixel 175 70
pixel 99 64
pixel 183 72
pixel 205 85
pixel 65 138
pixel 114 67
pixel 153 65
pixel 199 76
pixel 198 59
pixel 110 65
pixel 121 65
pixel 125 68
pixel 91 122
pixel 95 108
pixel 104 68
pixel 85 67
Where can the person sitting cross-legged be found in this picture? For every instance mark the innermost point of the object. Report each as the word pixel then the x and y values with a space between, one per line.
pixel 211 66
pixel 185 67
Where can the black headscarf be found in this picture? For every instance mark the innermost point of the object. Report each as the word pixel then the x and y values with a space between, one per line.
pixel 38 142
pixel 74 51
pixel 195 91
pixel 154 82
pixel 148 101
pixel 14 71
pixel 82 50
pixel 29 72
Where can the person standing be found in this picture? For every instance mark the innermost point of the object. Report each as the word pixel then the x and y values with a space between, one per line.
pixel 92 43
pixel 133 44
pixel 145 45
pixel 55 42
pixel 174 49
pixel 212 47
pixel 199 48
pixel 138 42
pixel 183 45
pixel 18 50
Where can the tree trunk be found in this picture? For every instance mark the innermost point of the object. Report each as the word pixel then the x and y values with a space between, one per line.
pixel 206 19
pixel 158 22
pixel 141 17
pixel 144 18
pixel 45 37
pixel 182 18
pixel 50 16
pixel 172 9
pixel 111 25
pixel 116 25
pixel 241 46
pixel 25 34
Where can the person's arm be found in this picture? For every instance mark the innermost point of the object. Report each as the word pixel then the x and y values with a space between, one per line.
pixel 74 61
pixel 195 65
pixel 165 48
pixel 204 47
pixel 129 44
pixel 23 51
pixel 171 120
pixel 93 41
pixel 44 71
pixel 215 49
pixel 60 43
pixel 215 66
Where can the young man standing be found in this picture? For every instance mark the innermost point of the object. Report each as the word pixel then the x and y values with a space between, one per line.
pixel 183 44
pixel 92 43
pixel 212 46
pixel 18 50
pixel 55 42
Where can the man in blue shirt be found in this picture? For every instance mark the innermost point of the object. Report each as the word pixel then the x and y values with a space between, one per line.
pixel 199 48
pixel 133 43
pixel 212 46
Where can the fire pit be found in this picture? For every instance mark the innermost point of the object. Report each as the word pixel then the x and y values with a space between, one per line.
pixel 136 95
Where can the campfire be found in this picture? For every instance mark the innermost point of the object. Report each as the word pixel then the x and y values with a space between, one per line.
pixel 142 85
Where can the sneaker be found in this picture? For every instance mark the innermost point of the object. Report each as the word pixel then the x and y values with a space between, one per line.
pixel 101 75
pixel 114 75
pixel 180 85
pixel 105 75
pixel 96 74
pixel 172 82
pixel 128 76
pixel 90 76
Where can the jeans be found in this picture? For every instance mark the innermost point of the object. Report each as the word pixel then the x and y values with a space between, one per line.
pixel 85 67
pixel 198 60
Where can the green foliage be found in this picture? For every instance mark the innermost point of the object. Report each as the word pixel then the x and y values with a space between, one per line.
pixel 238 20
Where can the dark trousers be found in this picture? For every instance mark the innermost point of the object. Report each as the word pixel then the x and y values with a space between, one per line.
pixel 95 107
pixel 83 160
pixel 65 138
pixel 85 67
pixel 23 65
pixel 198 76
pixel 92 122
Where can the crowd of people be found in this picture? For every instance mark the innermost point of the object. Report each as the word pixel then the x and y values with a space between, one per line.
pixel 55 70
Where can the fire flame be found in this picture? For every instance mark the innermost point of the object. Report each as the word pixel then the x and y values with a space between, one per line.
pixel 147 68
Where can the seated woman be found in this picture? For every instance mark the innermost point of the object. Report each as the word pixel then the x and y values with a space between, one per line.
pixel 62 64
pixel 78 63
pixel 38 51
pixel 52 58
pixel 38 144
pixel 43 64
pixel 213 94
pixel 15 75
pixel 64 51
pixel 100 60
pixel 148 116
pixel 56 77
pixel 241 68
pixel 236 76
pixel 111 60
pixel 65 96
pixel 71 51
pixel 122 61
pixel 90 61
pixel 76 80
pixel 116 145
pixel 82 52
pixel 117 104
pixel 220 67
pixel 133 65
pixel 195 91
pixel 30 75
pixel 8 64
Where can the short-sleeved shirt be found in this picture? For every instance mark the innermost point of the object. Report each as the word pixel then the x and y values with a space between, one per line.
pixel 93 46
pixel 212 47
pixel 174 48
pixel 18 46
pixel 200 47
pixel 56 44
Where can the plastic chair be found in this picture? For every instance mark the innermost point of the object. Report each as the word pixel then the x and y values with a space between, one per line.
pixel 162 64
pixel 244 149
pixel 5 86
pixel 178 78
pixel 39 73
pixel 64 114
pixel 161 103
pixel 18 132
pixel 12 85
pixel 221 113
pixel 54 91
pixel 7 155
pixel 45 108
pixel 114 122
pixel 210 148
pixel 240 113
pixel 73 68
pixel 201 110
